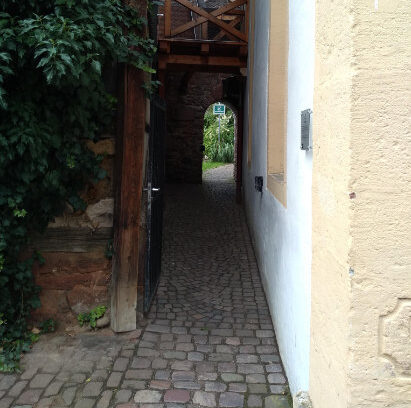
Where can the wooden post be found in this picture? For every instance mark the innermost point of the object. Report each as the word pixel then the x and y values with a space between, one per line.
pixel 247 18
pixel 167 18
pixel 129 184
pixel 204 31
pixel 205 49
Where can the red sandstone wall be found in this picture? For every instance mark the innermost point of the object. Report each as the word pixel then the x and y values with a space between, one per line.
pixel 76 274
pixel 72 283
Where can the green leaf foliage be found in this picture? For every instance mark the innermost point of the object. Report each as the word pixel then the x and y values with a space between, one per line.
pixel 91 317
pixel 216 151
pixel 208 165
pixel 54 55
pixel 48 326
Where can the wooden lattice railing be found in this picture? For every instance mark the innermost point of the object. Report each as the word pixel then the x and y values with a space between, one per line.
pixel 226 23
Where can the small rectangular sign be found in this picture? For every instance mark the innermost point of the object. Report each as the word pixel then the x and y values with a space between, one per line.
pixel 219 109
pixel 306 130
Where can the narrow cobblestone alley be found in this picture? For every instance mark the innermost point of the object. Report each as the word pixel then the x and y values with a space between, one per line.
pixel 209 340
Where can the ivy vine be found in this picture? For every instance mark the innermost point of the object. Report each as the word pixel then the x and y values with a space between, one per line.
pixel 52 99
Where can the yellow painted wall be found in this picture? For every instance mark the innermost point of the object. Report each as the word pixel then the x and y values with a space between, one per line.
pixel 330 301
pixel 361 271
pixel 380 255
pixel 277 101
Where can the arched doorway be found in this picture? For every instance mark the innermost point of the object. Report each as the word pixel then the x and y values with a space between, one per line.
pixel 219 136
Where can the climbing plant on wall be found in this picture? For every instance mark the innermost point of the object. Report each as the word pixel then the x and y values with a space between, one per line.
pixel 52 99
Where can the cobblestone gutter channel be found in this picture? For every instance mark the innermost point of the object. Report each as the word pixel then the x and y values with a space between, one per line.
pixel 209 341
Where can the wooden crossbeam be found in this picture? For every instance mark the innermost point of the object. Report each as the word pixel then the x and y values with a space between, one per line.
pixel 213 18
pixel 204 16
pixel 236 12
pixel 190 41
pixel 221 34
pixel 201 60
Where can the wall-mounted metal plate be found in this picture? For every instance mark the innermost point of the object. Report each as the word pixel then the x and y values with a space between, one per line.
pixel 259 183
pixel 306 129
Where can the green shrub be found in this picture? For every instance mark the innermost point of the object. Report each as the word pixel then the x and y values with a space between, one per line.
pixel 91 317
pixel 48 326
pixel 52 99
pixel 222 151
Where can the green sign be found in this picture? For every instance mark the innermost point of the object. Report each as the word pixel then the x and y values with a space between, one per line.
pixel 219 109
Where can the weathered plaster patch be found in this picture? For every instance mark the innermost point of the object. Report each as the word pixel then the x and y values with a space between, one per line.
pixel 387 6
pixel 101 213
pixel 395 338
pixel 302 400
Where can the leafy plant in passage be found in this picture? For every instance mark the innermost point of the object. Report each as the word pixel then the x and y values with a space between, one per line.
pixel 91 317
pixel 53 57
pixel 288 395
pixel 216 151
pixel 48 326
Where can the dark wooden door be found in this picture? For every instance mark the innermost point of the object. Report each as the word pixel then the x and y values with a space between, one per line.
pixel 155 190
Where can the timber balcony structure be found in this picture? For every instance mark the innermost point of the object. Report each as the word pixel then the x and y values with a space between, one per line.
pixel 203 35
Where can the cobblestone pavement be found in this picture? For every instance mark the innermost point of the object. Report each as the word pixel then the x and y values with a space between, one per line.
pixel 208 342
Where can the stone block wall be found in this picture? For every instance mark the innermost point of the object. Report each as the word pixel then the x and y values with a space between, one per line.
pixel 76 274
pixel 72 283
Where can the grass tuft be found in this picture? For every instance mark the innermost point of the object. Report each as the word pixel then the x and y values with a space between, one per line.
pixel 207 165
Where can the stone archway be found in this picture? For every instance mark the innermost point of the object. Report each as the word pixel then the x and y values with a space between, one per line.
pixel 188 97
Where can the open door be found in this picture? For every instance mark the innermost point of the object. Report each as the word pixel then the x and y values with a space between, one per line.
pixel 155 191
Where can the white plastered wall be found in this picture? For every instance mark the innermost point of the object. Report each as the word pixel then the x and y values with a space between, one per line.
pixel 282 236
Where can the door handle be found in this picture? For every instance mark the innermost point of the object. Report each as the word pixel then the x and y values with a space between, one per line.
pixel 155 189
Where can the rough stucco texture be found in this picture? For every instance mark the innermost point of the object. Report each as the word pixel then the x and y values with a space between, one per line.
pixel 330 216
pixel 380 255
pixel 361 271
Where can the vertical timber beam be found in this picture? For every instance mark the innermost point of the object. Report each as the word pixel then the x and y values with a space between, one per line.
pixel 167 18
pixel 247 19
pixel 204 31
pixel 128 178
pixel 129 184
